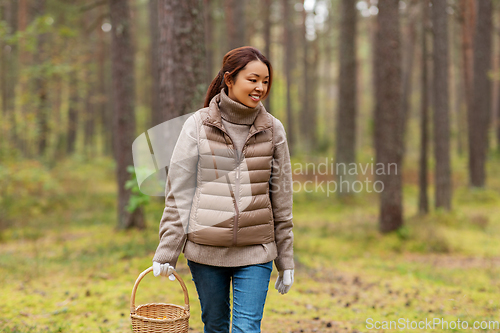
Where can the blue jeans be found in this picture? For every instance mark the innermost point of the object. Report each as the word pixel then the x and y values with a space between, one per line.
pixel 250 285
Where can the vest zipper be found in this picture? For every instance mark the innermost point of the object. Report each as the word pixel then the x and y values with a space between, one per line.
pixel 236 198
pixel 237 182
pixel 237 188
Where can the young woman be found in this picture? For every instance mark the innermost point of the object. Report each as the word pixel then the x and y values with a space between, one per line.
pixel 228 204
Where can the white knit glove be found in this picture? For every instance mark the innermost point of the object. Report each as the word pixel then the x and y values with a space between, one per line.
pixel 284 281
pixel 163 270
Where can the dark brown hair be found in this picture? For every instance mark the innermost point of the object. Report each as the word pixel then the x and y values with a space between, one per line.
pixel 233 62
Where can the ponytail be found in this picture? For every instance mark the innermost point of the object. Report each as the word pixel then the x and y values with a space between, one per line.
pixel 215 87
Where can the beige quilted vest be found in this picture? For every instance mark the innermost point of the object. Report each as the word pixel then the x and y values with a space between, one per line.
pixel 231 204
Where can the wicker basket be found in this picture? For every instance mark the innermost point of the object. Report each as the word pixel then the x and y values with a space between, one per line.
pixel 144 317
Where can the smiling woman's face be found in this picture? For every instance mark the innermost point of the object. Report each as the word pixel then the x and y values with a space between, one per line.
pixel 251 84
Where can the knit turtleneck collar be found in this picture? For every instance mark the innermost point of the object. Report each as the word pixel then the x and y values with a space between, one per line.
pixel 235 112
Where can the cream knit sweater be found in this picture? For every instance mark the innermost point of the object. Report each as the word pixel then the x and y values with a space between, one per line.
pixel 236 119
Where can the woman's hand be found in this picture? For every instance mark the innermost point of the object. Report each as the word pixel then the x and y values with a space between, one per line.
pixel 163 270
pixel 284 281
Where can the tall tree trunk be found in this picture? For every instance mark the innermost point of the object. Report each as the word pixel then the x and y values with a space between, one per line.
pixel 59 128
pixel 41 86
pixel 72 126
pixel 467 15
pixel 22 19
pixel 497 127
pixel 288 46
pixel 479 115
pixel 408 56
pixel 156 113
pixel 267 41
pixel 89 122
pixel 307 114
pixel 182 54
pixel 209 43
pixel 306 88
pixel 441 109
pixel 122 55
pixel 90 90
pixel 10 72
pixel 312 98
pixel 328 81
pixel 388 141
pixel 373 30
pixel 347 111
pixel 458 79
pixel 4 54
pixel 423 198
pixel 103 90
pixel 4 139
pixel 235 20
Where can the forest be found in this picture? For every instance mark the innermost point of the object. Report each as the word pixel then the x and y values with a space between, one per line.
pixel 392 117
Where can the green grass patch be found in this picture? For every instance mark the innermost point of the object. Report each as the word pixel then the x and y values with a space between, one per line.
pixel 65 268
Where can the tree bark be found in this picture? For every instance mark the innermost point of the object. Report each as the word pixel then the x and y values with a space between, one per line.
pixel 497 127
pixel 182 57
pixel 235 22
pixel 209 43
pixel 458 78
pixel 288 47
pixel 154 28
pixel 347 111
pixel 4 54
pixel 312 98
pixel 9 64
pixel 122 55
pixel 72 113
pixel 408 59
pixel 89 122
pixel 59 128
pixel 328 84
pixel 467 17
pixel 304 112
pixel 479 115
pixel 267 42
pixel 104 90
pixel 9 71
pixel 388 141
pixel 441 105
pixel 423 198
pixel 22 19
pixel 41 85
pixel 90 92
pixel 307 113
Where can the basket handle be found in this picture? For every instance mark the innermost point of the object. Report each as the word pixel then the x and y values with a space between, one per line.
pixel 132 300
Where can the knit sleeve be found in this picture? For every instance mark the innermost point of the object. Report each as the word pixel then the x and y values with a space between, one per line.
pixel 281 194
pixel 179 192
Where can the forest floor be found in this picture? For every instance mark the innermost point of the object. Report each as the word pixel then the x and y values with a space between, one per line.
pixel 64 267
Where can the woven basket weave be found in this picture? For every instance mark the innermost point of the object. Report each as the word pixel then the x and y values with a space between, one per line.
pixel 144 317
